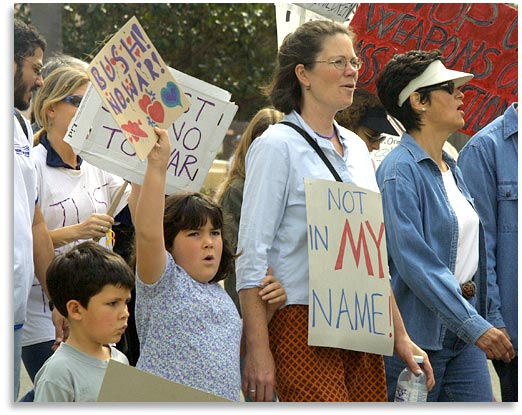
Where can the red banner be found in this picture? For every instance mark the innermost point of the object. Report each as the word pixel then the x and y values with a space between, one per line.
pixel 480 38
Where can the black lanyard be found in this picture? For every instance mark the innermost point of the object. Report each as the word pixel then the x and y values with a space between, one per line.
pixel 316 147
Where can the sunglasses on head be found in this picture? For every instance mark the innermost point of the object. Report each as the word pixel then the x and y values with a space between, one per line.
pixel 73 100
pixel 448 86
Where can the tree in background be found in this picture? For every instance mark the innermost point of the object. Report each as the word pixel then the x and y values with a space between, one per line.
pixel 230 45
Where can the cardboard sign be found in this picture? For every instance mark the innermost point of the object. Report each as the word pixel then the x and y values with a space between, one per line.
pixel 349 290
pixel 123 383
pixel 136 86
pixel 195 136
pixel 480 38
pixel 290 16
pixel 339 12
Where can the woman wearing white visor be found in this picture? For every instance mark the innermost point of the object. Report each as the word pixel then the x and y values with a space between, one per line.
pixel 434 237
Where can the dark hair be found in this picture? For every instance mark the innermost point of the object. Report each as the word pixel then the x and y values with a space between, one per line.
pixel 300 47
pixel 82 272
pixel 191 210
pixel 396 75
pixel 363 100
pixel 26 40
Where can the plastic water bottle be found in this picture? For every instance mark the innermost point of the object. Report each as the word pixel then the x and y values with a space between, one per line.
pixel 410 387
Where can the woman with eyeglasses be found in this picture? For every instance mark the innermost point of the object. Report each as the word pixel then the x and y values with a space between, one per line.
pixel 434 236
pixel 73 194
pixel 315 77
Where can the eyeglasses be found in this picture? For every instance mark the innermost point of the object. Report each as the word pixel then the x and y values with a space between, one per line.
pixel 341 63
pixel 74 100
pixel 37 69
pixel 448 86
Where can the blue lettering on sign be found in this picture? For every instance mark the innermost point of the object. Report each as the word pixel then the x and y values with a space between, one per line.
pixel 360 313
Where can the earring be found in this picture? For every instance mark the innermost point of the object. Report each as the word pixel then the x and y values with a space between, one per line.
pixel 308 87
pixel 424 109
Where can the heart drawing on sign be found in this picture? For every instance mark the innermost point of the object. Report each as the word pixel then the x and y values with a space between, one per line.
pixel 144 103
pixel 170 95
pixel 156 112
pixel 134 129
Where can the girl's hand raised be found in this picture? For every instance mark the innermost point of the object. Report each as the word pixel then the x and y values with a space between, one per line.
pixel 160 153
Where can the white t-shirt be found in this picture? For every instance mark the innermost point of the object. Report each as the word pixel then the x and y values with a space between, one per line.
pixel 66 197
pixel 24 201
pixel 468 243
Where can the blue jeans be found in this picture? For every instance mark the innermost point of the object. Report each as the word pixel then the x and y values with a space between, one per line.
pixel 17 348
pixel 461 372
pixel 35 355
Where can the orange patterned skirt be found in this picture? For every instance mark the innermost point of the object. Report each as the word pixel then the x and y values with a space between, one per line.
pixel 320 374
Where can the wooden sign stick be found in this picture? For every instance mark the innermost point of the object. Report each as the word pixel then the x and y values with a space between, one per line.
pixel 115 202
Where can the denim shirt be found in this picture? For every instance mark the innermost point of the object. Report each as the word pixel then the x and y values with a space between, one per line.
pixel 489 164
pixel 422 236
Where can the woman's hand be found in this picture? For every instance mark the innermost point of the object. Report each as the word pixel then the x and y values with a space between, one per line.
pixel 496 345
pixel 95 226
pixel 405 349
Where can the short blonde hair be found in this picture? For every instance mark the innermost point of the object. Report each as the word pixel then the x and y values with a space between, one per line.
pixel 59 84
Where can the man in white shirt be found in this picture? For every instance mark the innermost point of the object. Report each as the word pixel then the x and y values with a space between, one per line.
pixel 33 249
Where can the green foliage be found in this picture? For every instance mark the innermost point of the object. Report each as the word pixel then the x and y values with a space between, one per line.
pixel 230 45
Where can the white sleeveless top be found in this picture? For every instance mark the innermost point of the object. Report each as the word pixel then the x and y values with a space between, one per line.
pixel 468 243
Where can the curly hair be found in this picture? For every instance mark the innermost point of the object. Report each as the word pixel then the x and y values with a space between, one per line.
pixel 396 75
pixel 300 47
pixel 26 41
pixel 362 101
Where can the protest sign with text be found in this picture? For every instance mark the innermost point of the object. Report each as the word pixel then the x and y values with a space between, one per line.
pixel 349 290
pixel 136 86
pixel 195 137
pixel 480 38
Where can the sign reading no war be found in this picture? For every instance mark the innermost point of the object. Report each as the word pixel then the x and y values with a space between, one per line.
pixel 349 290
pixel 195 136
pixel 136 86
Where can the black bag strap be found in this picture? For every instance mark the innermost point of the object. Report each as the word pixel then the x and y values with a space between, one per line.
pixel 316 147
pixel 22 123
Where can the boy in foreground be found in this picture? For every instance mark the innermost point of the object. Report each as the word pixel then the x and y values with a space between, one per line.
pixel 90 286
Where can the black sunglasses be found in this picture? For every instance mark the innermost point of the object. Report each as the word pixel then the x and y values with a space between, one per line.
pixel 448 86
pixel 73 100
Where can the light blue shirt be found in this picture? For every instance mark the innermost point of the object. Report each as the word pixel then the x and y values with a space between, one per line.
pixel 421 237
pixel 489 164
pixel 273 227
pixel 189 332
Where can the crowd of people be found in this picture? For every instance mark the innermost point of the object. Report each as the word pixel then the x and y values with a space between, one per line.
pixel 215 291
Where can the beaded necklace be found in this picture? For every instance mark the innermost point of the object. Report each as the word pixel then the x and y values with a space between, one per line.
pixel 325 136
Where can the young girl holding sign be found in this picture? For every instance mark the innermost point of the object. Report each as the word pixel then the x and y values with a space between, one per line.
pixel 188 326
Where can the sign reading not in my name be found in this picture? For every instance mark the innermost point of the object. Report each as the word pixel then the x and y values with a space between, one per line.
pixel 349 290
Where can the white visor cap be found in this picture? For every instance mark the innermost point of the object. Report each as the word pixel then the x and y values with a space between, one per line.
pixel 434 74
